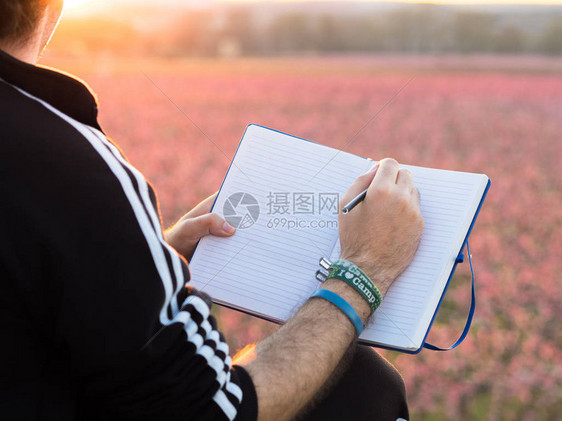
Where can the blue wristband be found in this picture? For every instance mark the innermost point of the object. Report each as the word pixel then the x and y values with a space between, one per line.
pixel 343 305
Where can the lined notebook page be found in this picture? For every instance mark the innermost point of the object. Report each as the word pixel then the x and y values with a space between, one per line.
pixel 268 267
pixel 448 203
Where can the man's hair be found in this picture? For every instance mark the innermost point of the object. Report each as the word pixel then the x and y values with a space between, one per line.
pixel 18 18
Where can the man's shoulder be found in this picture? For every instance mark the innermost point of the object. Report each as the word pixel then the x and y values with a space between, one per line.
pixel 24 117
pixel 39 137
pixel 51 162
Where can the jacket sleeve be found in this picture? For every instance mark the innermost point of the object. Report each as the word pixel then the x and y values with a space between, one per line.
pixel 106 290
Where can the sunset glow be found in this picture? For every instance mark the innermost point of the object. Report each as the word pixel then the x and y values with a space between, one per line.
pixel 74 4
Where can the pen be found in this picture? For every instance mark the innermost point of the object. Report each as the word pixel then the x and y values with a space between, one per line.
pixel 361 195
pixel 354 202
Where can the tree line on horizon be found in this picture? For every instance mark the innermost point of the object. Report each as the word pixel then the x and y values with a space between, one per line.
pixel 236 31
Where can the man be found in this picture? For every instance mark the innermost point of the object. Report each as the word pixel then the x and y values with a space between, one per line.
pixel 95 317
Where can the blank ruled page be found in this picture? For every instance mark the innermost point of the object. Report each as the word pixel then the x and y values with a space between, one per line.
pixel 283 193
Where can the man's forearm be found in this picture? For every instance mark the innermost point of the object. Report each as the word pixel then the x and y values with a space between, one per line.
pixel 290 366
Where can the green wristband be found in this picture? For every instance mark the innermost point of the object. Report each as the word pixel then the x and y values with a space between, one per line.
pixel 351 274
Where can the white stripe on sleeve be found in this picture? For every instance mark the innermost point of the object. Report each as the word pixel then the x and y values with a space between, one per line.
pixel 224 404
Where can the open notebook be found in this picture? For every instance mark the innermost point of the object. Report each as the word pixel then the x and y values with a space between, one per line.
pixel 281 192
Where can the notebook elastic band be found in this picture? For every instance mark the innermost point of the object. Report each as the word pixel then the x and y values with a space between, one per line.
pixel 470 313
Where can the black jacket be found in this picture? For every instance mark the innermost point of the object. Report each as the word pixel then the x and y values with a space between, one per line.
pixel 95 318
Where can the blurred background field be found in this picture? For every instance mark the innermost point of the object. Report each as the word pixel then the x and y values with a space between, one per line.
pixel 179 115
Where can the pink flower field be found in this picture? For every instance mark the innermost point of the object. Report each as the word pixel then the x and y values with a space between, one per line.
pixel 179 121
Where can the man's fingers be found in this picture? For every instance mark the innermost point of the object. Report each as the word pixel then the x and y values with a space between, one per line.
pixel 417 195
pixel 386 174
pixel 405 178
pixel 203 207
pixel 405 181
pixel 361 183
pixel 188 231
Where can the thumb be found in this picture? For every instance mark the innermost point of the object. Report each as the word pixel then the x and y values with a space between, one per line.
pixel 361 183
pixel 210 223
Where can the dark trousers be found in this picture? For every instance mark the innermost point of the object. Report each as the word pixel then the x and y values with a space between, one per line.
pixel 364 387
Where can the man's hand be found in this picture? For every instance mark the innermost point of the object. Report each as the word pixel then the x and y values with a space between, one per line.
pixel 197 223
pixel 382 233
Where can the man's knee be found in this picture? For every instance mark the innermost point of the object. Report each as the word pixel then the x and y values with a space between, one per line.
pixel 379 377
pixel 370 388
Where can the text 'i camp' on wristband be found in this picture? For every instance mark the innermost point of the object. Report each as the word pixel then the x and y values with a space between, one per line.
pixel 351 274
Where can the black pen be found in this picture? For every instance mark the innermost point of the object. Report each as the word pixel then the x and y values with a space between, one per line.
pixel 354 202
